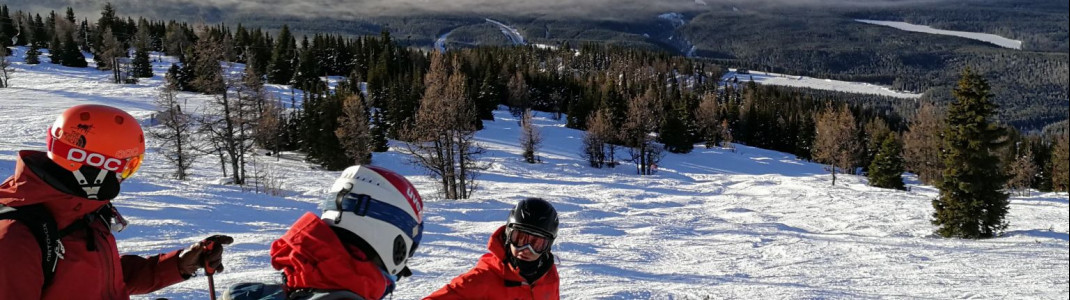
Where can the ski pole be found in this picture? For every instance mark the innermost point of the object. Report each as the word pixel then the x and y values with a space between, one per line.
pixel 208 269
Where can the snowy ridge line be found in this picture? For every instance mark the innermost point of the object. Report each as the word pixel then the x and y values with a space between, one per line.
pixel 815 83
pixel 511 33
pixel 984 37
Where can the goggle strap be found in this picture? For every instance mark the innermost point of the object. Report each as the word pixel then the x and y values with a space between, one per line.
pixel 364 205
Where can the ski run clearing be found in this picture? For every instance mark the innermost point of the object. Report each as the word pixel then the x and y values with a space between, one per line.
pixel 739 224
pixel 984 37
pixel 735 75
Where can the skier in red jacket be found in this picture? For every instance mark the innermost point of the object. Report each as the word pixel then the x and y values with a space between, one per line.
pixel 92 149
pixel 357 249
pixel 520 264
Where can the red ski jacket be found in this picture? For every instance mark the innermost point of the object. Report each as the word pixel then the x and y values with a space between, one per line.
pixel 81 273
pixel 313 257
pixel 493 278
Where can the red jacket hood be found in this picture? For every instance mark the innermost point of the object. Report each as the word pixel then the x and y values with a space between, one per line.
pixel 312 256
pixel 25 188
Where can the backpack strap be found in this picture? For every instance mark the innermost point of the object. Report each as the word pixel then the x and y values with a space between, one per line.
pixel 43 227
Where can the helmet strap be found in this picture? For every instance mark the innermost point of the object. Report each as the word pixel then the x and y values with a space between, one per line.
pixel 338 201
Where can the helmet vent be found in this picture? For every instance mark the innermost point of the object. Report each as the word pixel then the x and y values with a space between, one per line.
pixel 399 250
pixel 84 116
pixel 119 120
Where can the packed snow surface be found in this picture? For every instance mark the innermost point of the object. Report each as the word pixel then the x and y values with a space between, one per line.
pixel 734 75
pixel 745 223
pixel 984 37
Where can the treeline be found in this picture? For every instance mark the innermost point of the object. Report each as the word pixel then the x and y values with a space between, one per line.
pixel 1029 86
pixel 636 102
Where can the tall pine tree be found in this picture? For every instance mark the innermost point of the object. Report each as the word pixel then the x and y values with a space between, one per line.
pixel 281 69
pixel 971 203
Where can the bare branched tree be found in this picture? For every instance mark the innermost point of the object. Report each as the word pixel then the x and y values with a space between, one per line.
pixel 708 118
pixel 5 64
pixel 530 138
pixel 1022 171
pixel 354 132
pixel 924 143
pixel 442 140
pixel 642 120
pixel 519 94
pixel 597 138
pixel 836 141
pixel 175 134
pixel 228 122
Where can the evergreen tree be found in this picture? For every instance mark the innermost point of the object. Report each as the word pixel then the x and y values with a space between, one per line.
pixel 674 130
pixel 1060 159
pixel 308 71
pixel 142 65
pixel 281 69
pixel 886 170
pixel 971 203
pixel 33 54
pixel 7 30
pixel 56 50
pixel 177 79
pixel 378 133
pixel 72 56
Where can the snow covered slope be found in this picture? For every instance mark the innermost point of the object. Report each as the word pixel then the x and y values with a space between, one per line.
pixel 744 224
pixel 814 83
pixel 511 33
pixel 984 37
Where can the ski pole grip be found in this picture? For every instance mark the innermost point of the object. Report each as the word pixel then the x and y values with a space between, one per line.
pixel 208 245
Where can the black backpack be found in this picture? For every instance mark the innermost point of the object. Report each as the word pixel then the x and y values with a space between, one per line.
pixel 40 222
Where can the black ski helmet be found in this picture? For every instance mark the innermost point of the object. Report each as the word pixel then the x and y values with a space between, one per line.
pixel 534 215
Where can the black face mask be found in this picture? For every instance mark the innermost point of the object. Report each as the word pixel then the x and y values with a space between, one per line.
pixel 95 185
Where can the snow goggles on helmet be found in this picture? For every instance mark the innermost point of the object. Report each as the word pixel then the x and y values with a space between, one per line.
pixel 124 167
pixel 364 205
pixel 535 243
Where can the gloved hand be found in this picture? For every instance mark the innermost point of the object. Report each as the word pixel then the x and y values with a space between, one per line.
pixel 195 257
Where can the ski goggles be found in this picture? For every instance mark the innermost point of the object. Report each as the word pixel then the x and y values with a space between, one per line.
pixel 124 167
pixel 364 205
pixel 537 244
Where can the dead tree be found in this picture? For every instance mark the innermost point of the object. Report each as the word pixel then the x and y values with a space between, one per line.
pixel 530 138
pixel 175 134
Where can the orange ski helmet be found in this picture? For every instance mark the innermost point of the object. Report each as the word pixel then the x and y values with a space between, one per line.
pixel 100 136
